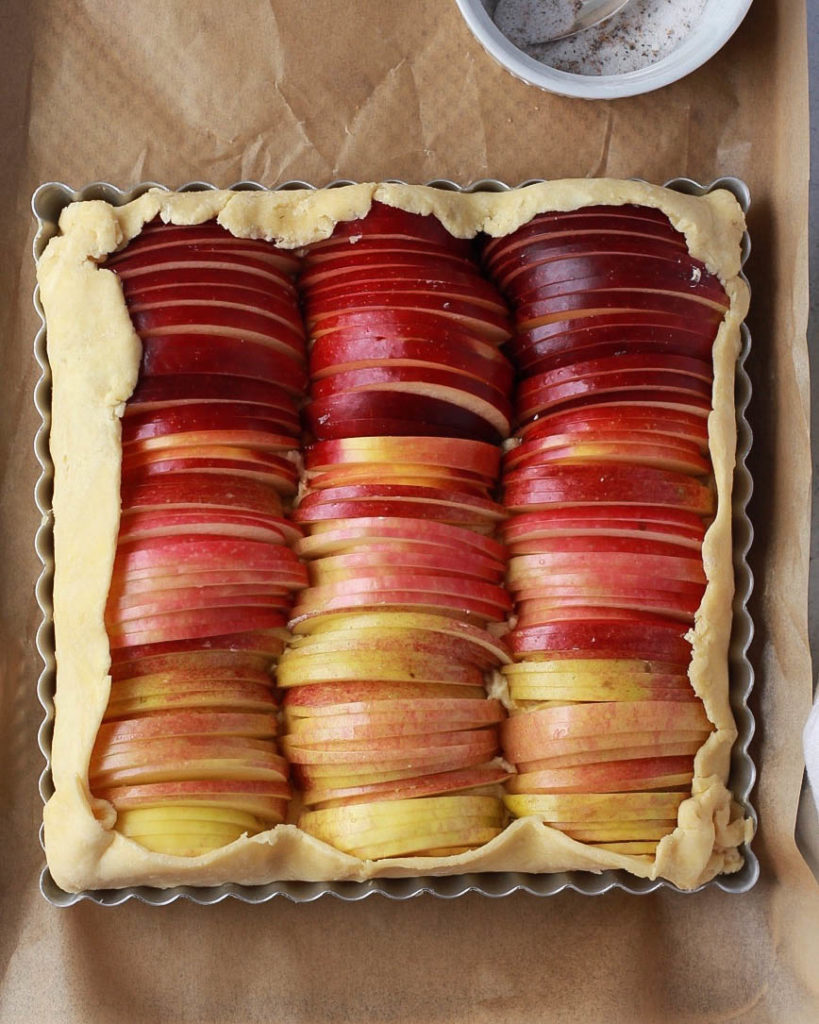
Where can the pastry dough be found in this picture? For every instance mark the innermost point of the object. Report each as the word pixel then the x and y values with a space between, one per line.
pixel 94 354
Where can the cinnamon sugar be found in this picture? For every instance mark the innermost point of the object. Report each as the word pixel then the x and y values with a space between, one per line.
pixel 640 35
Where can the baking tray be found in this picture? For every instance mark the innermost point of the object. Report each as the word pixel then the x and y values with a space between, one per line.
pixel 47 203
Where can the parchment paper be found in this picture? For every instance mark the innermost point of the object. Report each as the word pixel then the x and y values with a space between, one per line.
pixel 319 89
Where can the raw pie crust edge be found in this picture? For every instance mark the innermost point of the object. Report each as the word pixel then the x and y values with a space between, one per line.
pixel 94 355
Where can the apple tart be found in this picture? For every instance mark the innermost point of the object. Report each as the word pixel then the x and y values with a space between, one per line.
pixel 393 534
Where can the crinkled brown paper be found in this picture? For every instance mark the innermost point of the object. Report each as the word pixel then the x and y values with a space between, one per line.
pixel 319 89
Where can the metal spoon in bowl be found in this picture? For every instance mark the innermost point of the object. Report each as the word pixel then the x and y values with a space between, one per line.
pixel 531 25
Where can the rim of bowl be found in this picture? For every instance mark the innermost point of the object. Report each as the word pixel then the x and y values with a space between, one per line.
pixel 712 31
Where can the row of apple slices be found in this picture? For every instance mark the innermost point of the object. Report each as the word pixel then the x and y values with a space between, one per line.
pixel 609 492
pixel 388 724
pixel 385 706
pixel 405 333
pixel 204 572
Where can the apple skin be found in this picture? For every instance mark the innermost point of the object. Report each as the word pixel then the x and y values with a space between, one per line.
pixel 267 800
pixel 404 789
pixel 137 526
pixel 391 558
pixel 590 221
pixel 139 696
pixel 658 642
pixel 197 352
pixel 417 501
pixel 219 277
pixel 561 343
pixel 204 416
pixel 396 718
pixel 529 531
pixel 352 666
pixel 202 238
pixel 281 331
pixel 623 363
pixel 611 483
pixel 434 452
pixel 607 561
pixel 608 777
pixel 182 758
pixel 640 447
pixel 402 633
pixel 156 392
pixel 253 652
pixel 395 413
pixel 431 320
pixel 598 272
pixel 534 398
pixel 127 605
pixel 459 388
pixel 159 308
pixel 384 220
pixel 592 808
pixel 348 350
pixel 178 556
pixel 355 534
pixel 432 812
pixel 339 536
pixel 339 263
pixel 594 264
pixel 240 457
pixel 442 751
pixel 599 420
pixel 527 736
pixel 434 278
pixel 421 601
pixel 316 699
pixel 154 629
pixel 405 475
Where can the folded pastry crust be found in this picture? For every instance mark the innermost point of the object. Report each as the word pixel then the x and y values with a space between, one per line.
pixel 94 354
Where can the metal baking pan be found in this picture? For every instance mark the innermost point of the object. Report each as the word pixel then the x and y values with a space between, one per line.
pixel 47 203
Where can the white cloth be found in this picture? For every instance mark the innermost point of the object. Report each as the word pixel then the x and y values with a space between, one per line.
pixel 811 738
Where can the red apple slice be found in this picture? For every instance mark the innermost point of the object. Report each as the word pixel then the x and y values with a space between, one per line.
pixel 196 417
pixel 382 219
pixel 197 351
pixel 452 453
pixel 335 537
pixel 183 758
pixel 391 558
pixel 265 799
pixel 318 699
pixel 158 392
pixel 153 629
pixel 332 353
pixel 251 653
pixel 373 413
pixel 419 786
pixel 220 273
pixel 655 641
pixel 611 483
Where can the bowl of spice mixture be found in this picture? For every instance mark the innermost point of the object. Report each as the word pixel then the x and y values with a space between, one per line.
pixel 645 45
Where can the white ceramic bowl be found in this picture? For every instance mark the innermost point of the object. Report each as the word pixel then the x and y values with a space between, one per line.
pixel 718 23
